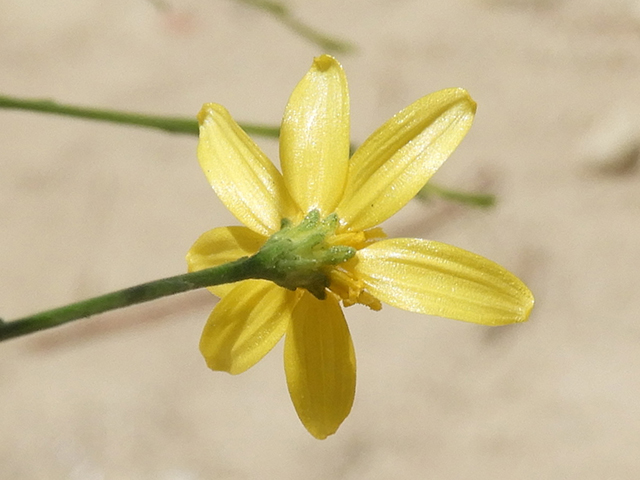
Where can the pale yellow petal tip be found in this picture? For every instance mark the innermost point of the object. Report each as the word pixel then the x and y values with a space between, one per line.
pixel 523 312
pixel 212 362
pixel 528 307
pixel 325 62
pixel 208 110
pixel 321 428
pixel 216 362
pixel 320 434
pixel 472 103
pixel 522 308
pixel 463 94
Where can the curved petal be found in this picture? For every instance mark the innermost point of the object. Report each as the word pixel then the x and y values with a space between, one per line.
pixel 243 177
pixel 439 279
pixel 246 325
pixel 314 138
pixel 320 364
pixel 396 161
pixel 222 245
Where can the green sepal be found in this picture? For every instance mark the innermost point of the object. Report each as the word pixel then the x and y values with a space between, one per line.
pixel 297 256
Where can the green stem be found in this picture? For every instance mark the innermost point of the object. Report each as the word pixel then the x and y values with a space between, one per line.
pixel 282 13
pixel 168 124
pixel 242 269
pixel 474 199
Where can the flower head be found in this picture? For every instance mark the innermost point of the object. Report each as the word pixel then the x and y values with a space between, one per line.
pixel 319 219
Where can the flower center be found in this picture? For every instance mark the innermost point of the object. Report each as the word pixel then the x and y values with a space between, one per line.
pixel 311 255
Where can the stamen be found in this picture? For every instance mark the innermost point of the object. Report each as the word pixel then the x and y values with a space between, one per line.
pixel 350 289
pixel 343 282
pixel 359 239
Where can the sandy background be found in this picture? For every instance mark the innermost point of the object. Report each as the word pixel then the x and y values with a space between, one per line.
pixel 86 208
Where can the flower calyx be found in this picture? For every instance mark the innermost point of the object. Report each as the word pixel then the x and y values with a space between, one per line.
pixel 298 256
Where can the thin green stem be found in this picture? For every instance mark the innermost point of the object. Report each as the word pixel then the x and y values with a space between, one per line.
pixel 242 269
pixel 283 14
pixel 168 124
pixel 473 199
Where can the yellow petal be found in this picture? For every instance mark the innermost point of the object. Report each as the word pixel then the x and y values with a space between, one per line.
pixel 243 177
pixel 314 139
pixel 246 325
pixel 396 161
pixel 439 279
pixel 320 364
pixel 222 245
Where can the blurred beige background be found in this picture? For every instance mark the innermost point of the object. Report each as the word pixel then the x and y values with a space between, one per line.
pixel 86 208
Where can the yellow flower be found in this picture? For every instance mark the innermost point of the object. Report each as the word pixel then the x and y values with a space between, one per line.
pixel 319 180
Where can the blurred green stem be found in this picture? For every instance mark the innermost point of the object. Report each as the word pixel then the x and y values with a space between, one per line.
pixel 474 199
pixel 168 124
pixel 190 126
pixel 283 14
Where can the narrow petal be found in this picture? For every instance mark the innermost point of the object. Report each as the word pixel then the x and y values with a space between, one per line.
pixel 246 325
pixel 439 279
pixel 222 245
pixel 396 161
pixel 320 364
pixel 243 177
pixel 314 139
